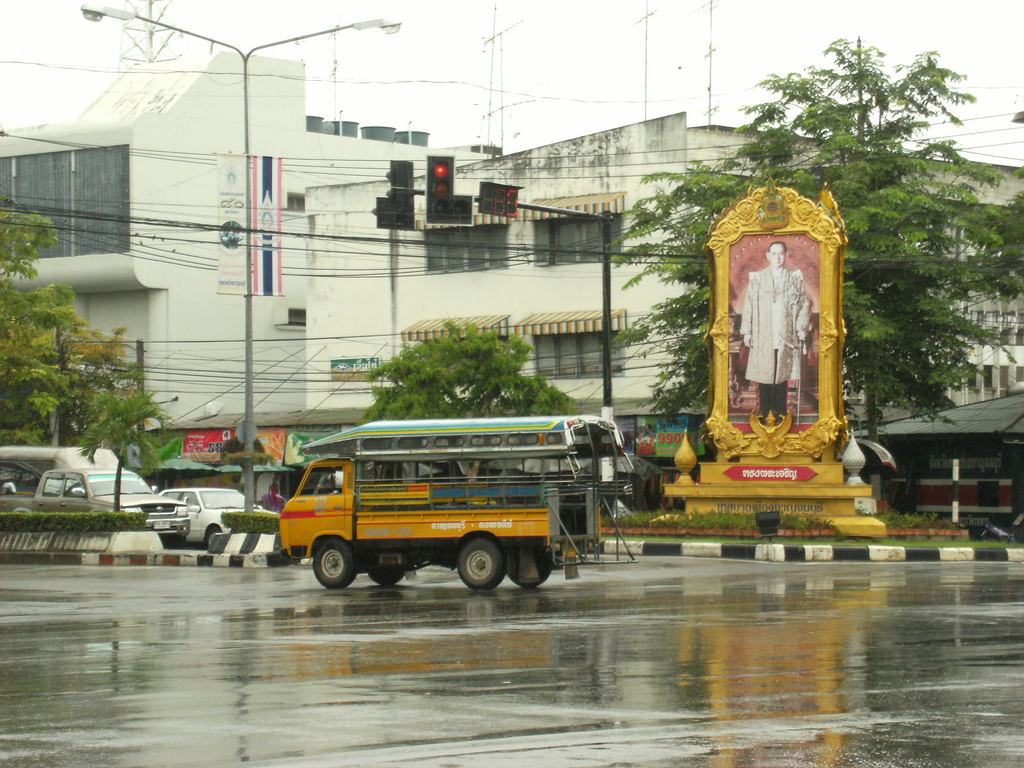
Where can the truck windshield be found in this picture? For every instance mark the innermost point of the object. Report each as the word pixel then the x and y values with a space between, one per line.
pixel 103 485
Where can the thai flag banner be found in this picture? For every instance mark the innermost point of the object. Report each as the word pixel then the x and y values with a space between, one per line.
pixel 266 226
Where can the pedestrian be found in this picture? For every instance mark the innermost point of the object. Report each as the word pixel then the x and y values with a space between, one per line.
pixel 272 500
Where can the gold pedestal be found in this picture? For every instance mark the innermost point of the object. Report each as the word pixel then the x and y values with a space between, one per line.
pixel 792 487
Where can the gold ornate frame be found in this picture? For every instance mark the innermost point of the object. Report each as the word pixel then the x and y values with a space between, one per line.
pixel 779 211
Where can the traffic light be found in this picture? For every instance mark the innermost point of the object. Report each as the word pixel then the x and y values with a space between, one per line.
pixel 397 210
pixel 498 199
pixel 443 205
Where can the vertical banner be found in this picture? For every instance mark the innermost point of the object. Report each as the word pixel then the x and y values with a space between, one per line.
pixel 231 216
pixel 266 226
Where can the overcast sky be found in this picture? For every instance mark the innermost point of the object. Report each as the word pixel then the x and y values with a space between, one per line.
pixel 556 70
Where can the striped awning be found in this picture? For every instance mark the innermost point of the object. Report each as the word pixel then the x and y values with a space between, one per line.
pixel 548 323
pixel 432 329
pixel 609 202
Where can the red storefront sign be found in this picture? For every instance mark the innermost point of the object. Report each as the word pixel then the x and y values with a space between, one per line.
pixel 770 473
pixel 206 444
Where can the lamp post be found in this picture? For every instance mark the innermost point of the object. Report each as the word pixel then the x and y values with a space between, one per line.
pixel 98 13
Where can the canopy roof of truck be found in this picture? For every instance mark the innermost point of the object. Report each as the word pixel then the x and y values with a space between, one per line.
pixel 45 457
pixel 520 436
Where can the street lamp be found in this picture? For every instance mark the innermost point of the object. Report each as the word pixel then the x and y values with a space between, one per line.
pixel 389 27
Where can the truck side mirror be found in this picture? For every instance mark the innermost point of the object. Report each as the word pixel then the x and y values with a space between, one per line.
pixel 78 492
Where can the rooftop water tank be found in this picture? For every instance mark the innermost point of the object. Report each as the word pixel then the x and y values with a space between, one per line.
pixel 415 138
pixel 378 133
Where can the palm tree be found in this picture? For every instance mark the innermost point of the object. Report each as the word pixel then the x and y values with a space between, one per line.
pixel 120 422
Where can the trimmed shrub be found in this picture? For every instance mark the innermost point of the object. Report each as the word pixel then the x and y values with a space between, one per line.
pixel 71 522
pixel 256 522
pixel 899 522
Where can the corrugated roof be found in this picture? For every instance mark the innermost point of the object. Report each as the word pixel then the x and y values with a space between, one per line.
pixel 1002 416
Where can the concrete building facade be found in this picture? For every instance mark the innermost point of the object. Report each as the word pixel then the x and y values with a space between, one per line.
pixel 132 188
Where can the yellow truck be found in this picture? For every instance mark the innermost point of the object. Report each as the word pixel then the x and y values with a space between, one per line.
pixel 487 497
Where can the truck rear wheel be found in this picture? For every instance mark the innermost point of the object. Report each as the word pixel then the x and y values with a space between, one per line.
pixel 333 564
pixel 386 575
pixel 481 565
pixel 529 568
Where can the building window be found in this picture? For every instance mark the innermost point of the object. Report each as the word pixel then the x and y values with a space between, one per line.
pixel 296 316
pixel 461 249
pixel 572 241
pixel 988 493
pixel 84 192
pixel 574 355
pixel 295 202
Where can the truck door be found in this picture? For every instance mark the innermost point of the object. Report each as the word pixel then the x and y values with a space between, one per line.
pixel 326 492
pixel 49 493
pixel 75 496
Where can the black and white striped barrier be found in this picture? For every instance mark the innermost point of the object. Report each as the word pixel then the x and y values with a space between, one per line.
pixel 815 552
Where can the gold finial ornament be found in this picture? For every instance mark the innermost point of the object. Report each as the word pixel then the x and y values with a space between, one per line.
pixel 685 460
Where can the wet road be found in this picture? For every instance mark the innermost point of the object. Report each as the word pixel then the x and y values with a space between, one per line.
pixel 669 662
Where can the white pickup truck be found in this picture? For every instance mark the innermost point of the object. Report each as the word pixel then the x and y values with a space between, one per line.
pixel 86 490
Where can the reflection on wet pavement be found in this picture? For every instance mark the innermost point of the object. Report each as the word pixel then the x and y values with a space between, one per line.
pixel 657 664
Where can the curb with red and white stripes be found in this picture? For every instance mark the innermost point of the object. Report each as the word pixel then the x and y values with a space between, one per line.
pixel 789 553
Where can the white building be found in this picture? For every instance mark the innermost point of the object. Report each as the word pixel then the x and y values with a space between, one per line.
pixel 539 276
pixel 132 188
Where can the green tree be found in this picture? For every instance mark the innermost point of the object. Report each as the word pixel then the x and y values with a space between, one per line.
pixel 120 421
pixel 917 249
pixel 463 374
pixel 51 363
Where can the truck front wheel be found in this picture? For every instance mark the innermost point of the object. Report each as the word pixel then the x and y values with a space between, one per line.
pixel 481 565
pixel 333 564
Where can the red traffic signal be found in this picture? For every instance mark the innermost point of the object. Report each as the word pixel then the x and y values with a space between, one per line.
pixel 440 167
pixel 443 205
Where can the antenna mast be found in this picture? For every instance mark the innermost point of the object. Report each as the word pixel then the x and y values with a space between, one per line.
pixel 141 42
pixel 646 20
pixel 712 4
pixel 496 38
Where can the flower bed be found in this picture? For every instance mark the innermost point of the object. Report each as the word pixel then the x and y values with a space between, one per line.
pixel 911 534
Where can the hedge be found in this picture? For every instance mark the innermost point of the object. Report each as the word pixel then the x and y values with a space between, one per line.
pixel 71 522
pixel 254 522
